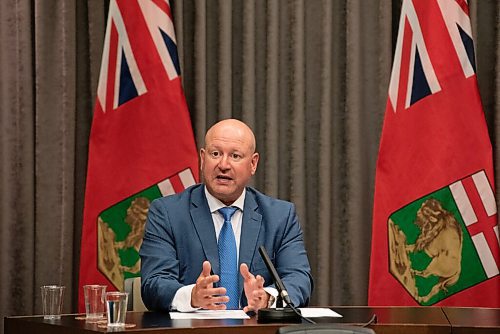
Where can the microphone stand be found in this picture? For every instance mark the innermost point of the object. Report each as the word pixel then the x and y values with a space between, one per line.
pixel 278 314
pixel 288 314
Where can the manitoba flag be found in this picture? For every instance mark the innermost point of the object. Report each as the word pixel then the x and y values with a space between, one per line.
pixel 435 238
pixel 141 143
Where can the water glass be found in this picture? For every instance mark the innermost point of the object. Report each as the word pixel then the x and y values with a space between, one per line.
pixel 52 301
pixel 116 305
pixel 95 307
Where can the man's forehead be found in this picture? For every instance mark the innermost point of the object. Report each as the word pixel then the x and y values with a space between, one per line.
pixel 226 132
pixel 231 144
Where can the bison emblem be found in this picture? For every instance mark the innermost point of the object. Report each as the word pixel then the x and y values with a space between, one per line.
pixel 440 238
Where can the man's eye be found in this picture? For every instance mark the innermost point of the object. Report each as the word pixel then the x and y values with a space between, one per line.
pixel 235 156
pixel 215 154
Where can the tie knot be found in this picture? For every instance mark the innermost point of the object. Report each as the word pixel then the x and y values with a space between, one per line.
pixel 228 212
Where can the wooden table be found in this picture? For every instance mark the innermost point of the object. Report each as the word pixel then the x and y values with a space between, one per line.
pixel 473 320
pixel 390 320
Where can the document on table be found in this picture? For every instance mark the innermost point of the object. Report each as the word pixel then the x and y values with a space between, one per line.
pixel 316 312
pixel 209 314
pixel 309 312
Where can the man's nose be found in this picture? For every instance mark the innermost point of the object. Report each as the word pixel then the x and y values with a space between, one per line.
pixel 224 162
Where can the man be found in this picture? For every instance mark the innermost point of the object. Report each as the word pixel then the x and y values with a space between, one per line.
pixel 180 256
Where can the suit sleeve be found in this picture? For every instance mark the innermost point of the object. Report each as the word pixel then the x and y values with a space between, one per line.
pixel 159 261
pixel 292 263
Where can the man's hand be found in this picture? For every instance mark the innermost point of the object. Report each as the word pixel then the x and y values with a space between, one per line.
pixel 204 294
pixel 257 297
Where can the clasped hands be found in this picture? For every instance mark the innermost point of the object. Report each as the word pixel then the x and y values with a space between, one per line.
pixel 204 295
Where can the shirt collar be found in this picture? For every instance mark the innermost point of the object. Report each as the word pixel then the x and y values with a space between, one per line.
pixel 215 204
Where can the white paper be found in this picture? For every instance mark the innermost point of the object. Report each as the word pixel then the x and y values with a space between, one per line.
pixel 308 312
pixel 209 314
pixel 315 312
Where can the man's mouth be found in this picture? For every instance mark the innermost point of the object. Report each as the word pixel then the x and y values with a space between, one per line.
pixel 223 178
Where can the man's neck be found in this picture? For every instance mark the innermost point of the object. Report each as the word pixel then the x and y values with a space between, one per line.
pixel 214 203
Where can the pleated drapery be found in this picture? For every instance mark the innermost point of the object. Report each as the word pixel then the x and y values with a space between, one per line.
pixel 310 78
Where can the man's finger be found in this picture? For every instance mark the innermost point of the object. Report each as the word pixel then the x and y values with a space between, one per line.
pixel 207 281
pixel 217 300
pixel 215 307
pixel 245 272
pixel 213 292
pixel 260 281
pixel 247 309
pixel 207 267
pixel 214 302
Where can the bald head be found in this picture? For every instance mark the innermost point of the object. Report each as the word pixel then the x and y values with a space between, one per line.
pixel 228 159
pixel 237 130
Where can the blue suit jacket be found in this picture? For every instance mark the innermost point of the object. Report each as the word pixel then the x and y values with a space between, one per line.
pixel 180 235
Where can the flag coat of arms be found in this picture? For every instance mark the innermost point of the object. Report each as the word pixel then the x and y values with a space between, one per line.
pixel 435 238
pixel 141 142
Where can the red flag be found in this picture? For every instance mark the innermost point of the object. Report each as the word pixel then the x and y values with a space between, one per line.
pixel 141 143
pixel 435 231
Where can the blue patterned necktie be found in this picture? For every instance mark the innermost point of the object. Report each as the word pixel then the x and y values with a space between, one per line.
pixel 228 259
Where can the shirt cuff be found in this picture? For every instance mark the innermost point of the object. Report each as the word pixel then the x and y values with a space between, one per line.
pixel 273 292
pixel 182 299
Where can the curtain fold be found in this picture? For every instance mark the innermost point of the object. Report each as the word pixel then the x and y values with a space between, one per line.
pixel 310 78
pixel 322 100
pixel 54 144
pixel 17 180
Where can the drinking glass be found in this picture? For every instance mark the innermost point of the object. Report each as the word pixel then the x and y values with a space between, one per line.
pixel 116 305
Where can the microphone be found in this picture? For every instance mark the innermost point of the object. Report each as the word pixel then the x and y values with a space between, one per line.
pixel 276 278
pixel 281 314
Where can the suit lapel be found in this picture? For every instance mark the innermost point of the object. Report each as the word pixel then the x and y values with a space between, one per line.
pixel 252 221
pixel 202 220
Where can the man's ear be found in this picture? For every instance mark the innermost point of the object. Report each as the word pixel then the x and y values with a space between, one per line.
pixel 255 162
pixel 202 158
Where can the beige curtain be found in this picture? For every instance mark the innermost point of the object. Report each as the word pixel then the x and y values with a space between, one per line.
pixel 310 77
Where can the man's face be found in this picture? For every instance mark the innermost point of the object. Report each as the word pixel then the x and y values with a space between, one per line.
pixel 228 160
